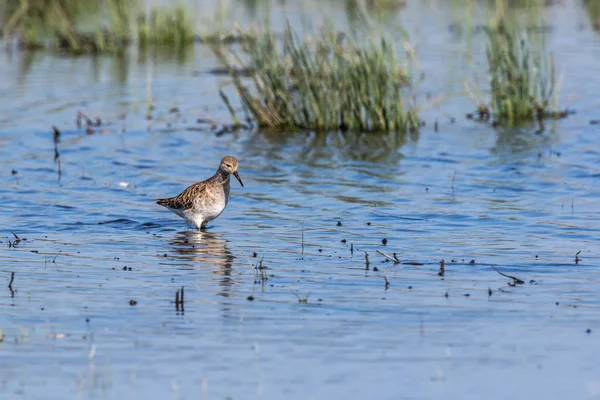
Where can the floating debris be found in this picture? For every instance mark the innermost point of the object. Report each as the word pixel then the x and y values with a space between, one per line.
pixel 12 278
pixel 179 300
pixel 17 239
pixel 88 121
pixel 387 283
pixel 516 281
pixel 56 139
pixel 442 268
pixel 489 292
pixel 56 134
pixel 394 259
pixel 244 71
pixel 302 237
pixel 262 277
pixel 452 184
pixel 577 259
pixel 367 263
pixel 132 302
pixel 302 299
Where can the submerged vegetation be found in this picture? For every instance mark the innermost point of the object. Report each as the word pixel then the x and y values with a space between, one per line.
pixel 328 83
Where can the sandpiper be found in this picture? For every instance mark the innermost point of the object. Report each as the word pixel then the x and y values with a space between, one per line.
pixel 204 201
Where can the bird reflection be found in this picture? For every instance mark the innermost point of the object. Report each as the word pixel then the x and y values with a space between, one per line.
pixel 207 248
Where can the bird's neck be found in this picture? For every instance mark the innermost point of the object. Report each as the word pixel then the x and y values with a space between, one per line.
pixel 222 176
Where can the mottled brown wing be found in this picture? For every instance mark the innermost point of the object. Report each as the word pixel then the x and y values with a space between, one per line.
pixel 185 199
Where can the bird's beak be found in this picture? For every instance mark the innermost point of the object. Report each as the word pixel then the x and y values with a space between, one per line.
pixel 237 176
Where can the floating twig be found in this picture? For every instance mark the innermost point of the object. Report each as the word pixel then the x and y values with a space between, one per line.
pixel 12 278
pixel 17 239
pixel 577 259
pixel 302 299
pixel 179 300
pixel 442 268
pixel 56 153
pixel 387 283
pixel 394 259
pixel 262 270
pixel 88 120
pixel 56 134
pixel 302 237
pixel 453 177
pixel 367 263
pixel 516 281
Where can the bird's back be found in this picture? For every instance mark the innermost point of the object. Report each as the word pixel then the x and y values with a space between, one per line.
pixel 184 200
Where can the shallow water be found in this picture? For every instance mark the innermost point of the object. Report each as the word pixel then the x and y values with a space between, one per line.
pixel 320 325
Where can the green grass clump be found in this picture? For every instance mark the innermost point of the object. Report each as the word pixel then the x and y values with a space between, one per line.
pixel 77 26
pixel 327 84
pixel 84 26
pixel 522 77
pixel 166 26
pixel 593 10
